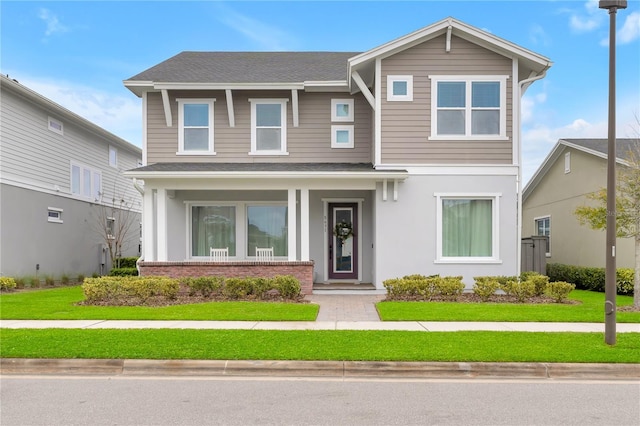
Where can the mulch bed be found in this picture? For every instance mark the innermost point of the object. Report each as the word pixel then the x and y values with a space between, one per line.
pixel 496 298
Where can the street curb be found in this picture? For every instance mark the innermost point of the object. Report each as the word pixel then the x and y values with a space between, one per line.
pixel 319 369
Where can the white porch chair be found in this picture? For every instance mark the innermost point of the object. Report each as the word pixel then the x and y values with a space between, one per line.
pixel 219 254
pixel 264 254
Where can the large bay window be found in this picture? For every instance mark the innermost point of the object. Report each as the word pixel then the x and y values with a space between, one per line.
pixel 267 227
pixel 268 126
pixel 240 226
pixel 468 107
pixel 467 228
pixel 195 126
pixel 213 227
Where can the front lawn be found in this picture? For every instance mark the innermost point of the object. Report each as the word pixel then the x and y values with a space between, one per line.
pixel 61 304
pixel 590 309
pixel 463 346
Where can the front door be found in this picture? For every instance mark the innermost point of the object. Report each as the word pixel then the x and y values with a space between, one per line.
pixel 343 241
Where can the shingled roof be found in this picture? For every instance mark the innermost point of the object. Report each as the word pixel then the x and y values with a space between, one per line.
pixel 249 67
pixel 623 146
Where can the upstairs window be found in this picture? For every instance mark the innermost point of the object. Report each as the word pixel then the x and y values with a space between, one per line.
pixel 86 182
pixel 399 88
pixel 195 126
pixel 342 110
pixel 472 107
pixel 113 157
pixel 55 125
pixel 268 126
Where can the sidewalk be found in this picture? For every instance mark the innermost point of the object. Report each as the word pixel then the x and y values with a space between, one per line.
pixel 579 327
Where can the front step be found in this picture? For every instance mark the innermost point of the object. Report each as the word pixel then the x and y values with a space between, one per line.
pixel 343 286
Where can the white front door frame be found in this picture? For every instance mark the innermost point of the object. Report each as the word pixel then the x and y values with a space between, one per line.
pixel 325 215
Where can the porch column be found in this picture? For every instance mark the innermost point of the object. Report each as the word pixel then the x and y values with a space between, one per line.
pixel 148 243
pixel 292 225
pixel 162 225
pixel 304 224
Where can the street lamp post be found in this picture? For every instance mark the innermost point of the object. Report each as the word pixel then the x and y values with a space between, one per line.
pixel 610 272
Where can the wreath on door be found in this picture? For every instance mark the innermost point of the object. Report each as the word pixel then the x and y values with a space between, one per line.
pixel 343 230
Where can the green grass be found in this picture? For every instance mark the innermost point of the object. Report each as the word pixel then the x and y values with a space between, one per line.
pixel 61 304
pixel 464 346
pixel 590 309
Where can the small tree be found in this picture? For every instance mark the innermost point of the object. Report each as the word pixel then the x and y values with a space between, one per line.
pixel 114 219
pixel 627 209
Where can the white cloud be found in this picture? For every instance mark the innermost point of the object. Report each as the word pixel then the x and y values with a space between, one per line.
pixel 630 31
pixel 54 25
pixel 538 35
pixel 267 36
pixel 587 20
pixel 116 113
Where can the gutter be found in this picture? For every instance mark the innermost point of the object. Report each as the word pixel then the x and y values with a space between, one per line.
pixel 521 89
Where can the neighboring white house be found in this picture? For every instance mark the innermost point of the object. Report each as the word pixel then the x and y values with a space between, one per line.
pixel 58 172
pixel 414 144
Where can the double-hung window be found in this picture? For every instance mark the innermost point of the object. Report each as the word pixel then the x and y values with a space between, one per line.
pixel 86 182
pixel 467 228
pixel 468 107
pixel 543 228
pixel 195 126
pixel 268 127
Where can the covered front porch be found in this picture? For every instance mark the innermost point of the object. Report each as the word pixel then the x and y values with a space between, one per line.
pixel 298 214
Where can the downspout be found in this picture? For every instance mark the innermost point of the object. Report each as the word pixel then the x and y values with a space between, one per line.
pixel 519 177
pixel 140 189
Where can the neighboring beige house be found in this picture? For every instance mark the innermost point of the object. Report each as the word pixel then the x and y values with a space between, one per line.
pixel 414 146
pixel 573 169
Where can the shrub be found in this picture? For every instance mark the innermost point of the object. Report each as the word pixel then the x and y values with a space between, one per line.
pixel 7 283
pixel 236 288
pixel 593 279
pixel 260 286
pixel 128 290
pixel 48 279
pixel 126 262
pixel 449 287
pixel 64 279
pixel 559 290
pixel 123 272
pixel 206 286
pixel 394 287
pixel 539 282
pixel 485 287
pixel 34 282
pixel 80 278
pixel 19 282
pixel 287 285
pixel 521 290
pixel 411 286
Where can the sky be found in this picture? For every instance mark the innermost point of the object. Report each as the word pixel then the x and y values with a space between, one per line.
pixel 77 53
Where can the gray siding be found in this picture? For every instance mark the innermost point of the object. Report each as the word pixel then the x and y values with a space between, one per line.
pixel 32 155
pixel 310 142
pixel 406 126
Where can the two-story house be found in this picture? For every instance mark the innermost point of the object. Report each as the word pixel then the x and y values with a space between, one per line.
pixel 410 150
pixel 60 179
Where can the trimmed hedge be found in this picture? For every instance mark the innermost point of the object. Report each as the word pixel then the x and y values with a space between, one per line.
pixel 589 278
pixel 129 290
pixel 420 287
pixel 126 262
pixel 7 283
pixel 123 272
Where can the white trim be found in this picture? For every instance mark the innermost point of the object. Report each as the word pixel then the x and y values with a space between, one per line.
pixel 304 225
pixel 58 218
pixel 335 128
pixel 392 97
pixel 54 129
pixel 294 108
pixel 230 112
pixel 452 170
pixel 114 150
pixel 292 237
pixel 325 215
pixel 516 120
pixel 166 105
pixel 365 90
pixel 161 218
pixel 377 138
pixel 567 162
pixel 283 126
pixel 225 86
pixel 144 128
pixel 148 226
pixel 239 213
pixel 200 101
pixel 93 196
pixel 495 226
pixel 468 108
pixel 334 105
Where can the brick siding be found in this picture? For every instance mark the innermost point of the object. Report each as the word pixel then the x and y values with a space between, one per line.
pixel 303 271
